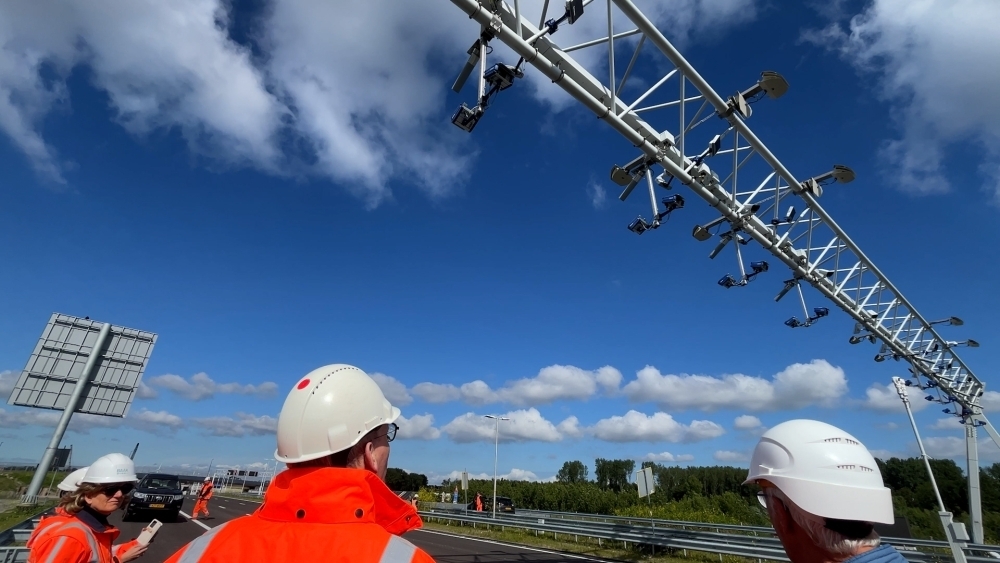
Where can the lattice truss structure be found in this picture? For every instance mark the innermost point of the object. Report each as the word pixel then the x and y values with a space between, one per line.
pixel 687 134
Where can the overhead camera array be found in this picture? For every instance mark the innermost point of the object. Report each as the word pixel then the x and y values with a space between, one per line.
pixel 781 214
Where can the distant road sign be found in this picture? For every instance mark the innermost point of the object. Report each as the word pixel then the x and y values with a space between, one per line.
pixel 644 479
pixel 56 365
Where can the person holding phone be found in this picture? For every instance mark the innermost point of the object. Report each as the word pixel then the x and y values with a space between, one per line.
pixel 79 532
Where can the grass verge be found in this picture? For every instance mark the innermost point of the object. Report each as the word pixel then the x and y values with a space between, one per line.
pixel 18 514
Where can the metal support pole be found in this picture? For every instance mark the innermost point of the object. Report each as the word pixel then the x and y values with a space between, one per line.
pixel 31 496
pixel 496 456
pixel 954 532
pixel 972 465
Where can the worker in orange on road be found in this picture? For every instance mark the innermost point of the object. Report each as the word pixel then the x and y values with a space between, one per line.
pixel 201 504
pixel 479 502
pixel 79 531
pixel 331 503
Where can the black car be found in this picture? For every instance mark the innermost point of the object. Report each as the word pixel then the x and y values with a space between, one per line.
pixel 504 505
pixel 156 492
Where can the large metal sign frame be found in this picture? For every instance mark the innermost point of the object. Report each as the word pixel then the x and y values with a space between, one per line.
pixel 757 197
pixel 80 366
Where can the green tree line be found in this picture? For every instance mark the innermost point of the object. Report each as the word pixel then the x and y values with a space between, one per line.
pixel 717 494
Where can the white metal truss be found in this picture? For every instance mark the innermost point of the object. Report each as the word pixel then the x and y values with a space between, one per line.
pixel 701 140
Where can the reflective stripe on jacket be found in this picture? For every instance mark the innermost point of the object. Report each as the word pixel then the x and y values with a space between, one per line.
pixel 65 538
pixel 333 514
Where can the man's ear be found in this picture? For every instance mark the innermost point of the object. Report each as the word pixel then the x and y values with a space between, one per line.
pixel 371 464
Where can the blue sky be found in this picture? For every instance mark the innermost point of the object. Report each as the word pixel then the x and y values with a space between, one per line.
pixel 269 196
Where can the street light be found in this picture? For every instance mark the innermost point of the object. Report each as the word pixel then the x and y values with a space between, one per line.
pixel 496 454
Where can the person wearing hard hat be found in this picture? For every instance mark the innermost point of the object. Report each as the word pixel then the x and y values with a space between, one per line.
pixel 334 432
pixel 71 482
pixel 79 531
pixel 201 504
pixel 823 492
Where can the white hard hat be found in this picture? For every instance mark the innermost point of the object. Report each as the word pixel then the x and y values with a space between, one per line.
pixel 72 481
pixel 823 470
pixel 328 411
pixel 112 468
pixel 208 479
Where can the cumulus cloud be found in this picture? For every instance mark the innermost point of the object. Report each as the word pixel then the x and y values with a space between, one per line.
pixel 797 386
pixel 243 424
pixel 665 457
pixel 747 422
pixel 524 426
pixel 990 401
pixel 304 101
pixel 145 391
pixel 418 427
pixel 884 398
pixel 553 383
pixel 635 426
pixel 901 44
pixel 393 390
pixel 158 422
pixel 570 427
pixel 200 386
pixel 8 379
pixel 727 456
pixel 946 423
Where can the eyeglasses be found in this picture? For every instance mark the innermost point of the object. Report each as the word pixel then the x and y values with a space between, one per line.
pixel 110 490
pixel 762 498
pixel 390 435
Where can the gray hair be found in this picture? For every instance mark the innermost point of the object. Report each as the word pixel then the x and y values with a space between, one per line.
pixel 815 526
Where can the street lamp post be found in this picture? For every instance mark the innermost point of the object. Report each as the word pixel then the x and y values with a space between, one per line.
pixel 496 455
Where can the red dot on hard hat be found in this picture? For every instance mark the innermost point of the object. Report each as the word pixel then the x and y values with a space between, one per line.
pixel 303 384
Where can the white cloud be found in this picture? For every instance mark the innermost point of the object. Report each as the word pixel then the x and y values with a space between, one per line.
pixel 747 422
pixel 242 424
pixel 597 194
pixel 727 456
pixel 884 398
pixel 797 386
pixel 664 457
pixel 308 102
pixel 155 422
pixel 660 427
pixel 888 426
pixel 393 390
pixel 418 427
pixel 145 391
pixel 436 393
pixel 570 427
pixel 912 48
pixel 523 426
pixel 946 423
pixel 8 379
pixel 553 383
pixel 990 401
pixel 200 386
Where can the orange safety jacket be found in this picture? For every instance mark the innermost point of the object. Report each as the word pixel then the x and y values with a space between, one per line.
pixel 75 538
pixel 206 491
pixel 332 514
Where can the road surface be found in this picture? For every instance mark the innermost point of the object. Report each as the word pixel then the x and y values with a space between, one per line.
pixel 444 548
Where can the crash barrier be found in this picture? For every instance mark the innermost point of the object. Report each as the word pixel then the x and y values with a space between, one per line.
pixel 13 554
pixel 752 542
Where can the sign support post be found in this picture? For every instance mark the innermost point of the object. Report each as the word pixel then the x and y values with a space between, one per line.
pixel 31 496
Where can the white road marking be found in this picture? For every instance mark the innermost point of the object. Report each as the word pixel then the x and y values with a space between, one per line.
pixel 195 521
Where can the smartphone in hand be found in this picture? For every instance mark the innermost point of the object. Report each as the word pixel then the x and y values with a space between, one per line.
pixel 148 532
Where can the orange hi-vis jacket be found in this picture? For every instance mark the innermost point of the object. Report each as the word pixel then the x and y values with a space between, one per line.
pixel 75 538
pixel 206 491
pixel 330 514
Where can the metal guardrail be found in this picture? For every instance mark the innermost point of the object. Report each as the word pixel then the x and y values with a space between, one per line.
pixel 14 554
pixel 753 542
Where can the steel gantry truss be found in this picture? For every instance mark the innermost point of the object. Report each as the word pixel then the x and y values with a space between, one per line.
pixel 682 129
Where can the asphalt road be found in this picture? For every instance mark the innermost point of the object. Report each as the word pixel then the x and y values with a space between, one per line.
pixel 444 548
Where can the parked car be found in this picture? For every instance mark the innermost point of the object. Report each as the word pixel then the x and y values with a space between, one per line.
pixel 504 505
pixel 156 492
